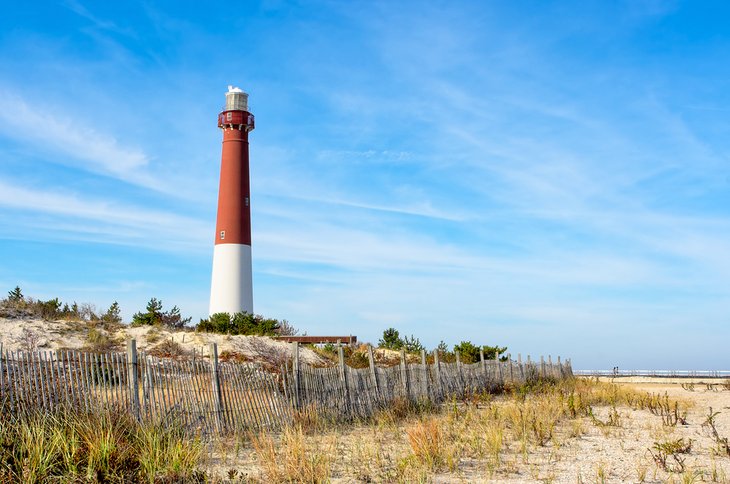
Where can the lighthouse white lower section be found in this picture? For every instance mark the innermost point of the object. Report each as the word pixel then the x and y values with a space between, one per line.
pixel 231 289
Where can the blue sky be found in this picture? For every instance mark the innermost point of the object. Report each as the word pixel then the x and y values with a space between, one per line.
pixel 550 176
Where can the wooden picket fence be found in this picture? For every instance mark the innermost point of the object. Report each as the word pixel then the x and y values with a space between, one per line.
pixel 342 392
pixel 209 396
pixel 203 394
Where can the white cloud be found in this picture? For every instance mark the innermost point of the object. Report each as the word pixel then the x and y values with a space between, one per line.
pixel 82 218
pixel 83 146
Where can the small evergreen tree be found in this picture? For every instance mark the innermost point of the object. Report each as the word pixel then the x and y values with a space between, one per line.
pixel 16 295
pixel 75 311
pixel 412 344
pixel 491 352
pixel 151 317
pixel 173 319
pixel 216 323
pixel 240 323
pixel 154 315
pixel 391 340
pixel 113 314
pixel 469 352
pixel 446 355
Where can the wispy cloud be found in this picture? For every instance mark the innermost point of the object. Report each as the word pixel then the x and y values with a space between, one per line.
pixel 83 218
pixel 83 146
pixel 99 23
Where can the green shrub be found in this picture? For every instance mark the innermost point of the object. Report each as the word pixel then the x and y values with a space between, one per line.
pixel 48 310
pixel 154 315
pixel 391 340
pixel 491 352
pixel 412 345
pixel 239 323
pixel 16 295
pixel 113 314
pixel 216 323
pixel 469 353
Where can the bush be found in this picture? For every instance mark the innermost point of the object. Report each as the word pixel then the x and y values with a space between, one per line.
pixel 469 353
pixel 16 295
pixel 391 340
pixel 48 310
pixel 445 354
pixel 156 316
pixel 216 323
pixel 412 345
pixel 112 315
pixel 240 323
pixel 17 305
pixel 152 317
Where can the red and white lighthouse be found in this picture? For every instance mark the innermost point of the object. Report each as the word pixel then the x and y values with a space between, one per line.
pixel 231 288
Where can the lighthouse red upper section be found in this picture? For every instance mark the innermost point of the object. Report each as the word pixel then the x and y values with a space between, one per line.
pixel 233 225
pixel 236 118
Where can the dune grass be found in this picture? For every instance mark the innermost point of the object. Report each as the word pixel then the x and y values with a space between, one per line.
pixel 104 446
pixel 515 435
pixel 487 436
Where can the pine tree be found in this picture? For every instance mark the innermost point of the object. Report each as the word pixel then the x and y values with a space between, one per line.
pixel 151 317
pixel 113 314
pixel 16 295
pixel 391 339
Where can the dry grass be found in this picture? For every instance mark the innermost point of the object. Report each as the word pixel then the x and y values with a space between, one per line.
pixel 529 433
pixel 71 446
pixel 428 445
pixel 564 432
pixel 292 458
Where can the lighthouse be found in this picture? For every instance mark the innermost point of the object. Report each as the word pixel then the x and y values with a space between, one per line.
pixel 231 288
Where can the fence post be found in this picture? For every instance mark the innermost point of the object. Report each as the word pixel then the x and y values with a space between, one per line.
pixel 542 367
pixel 284 383
pixel 462 385
pixel 509 360
pixel 560 367
pixel 132 376
pixel 551 370
pixel 343 378
pixel 519 366
pixel 295 373
pixel 404 372
pixel 425 375
pixel 373 373
pixel 437 368
pixel 483 361
pixel 498 364
pixel 217 395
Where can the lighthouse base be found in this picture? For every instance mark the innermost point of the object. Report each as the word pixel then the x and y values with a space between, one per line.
pixel 231 288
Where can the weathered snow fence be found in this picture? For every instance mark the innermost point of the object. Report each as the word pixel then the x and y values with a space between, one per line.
pixel 210 396
pixel 347 393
